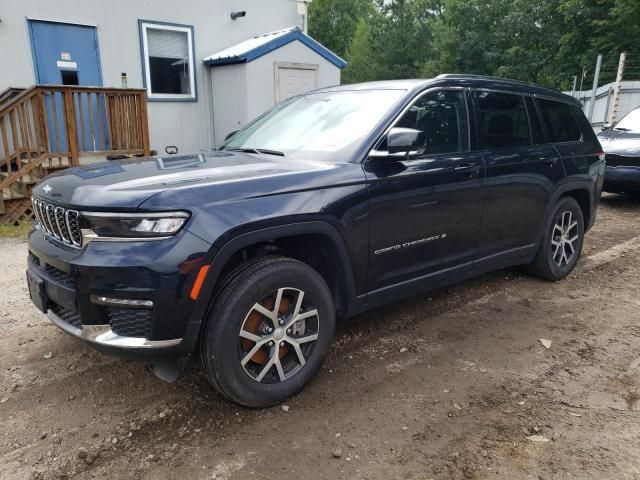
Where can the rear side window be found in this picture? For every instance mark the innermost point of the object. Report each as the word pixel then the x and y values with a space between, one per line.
pixel 559 120
pixel 503 121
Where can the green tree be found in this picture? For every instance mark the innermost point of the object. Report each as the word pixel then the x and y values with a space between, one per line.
pixel 362 62
pixel 333 22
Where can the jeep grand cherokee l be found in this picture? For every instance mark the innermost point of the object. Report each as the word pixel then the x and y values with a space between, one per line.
pixel 621 144
pixel 330 204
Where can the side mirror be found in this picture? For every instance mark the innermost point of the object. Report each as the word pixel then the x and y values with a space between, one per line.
pixel 231 134
pixel 606 126
pixel 405 140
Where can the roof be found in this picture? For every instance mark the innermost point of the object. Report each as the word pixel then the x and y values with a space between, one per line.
pixel 471 81
pixel 260 45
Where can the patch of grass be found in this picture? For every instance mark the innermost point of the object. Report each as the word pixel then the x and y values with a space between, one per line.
pixel 19 231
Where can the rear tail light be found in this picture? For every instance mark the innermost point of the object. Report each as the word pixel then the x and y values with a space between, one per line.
pixel 601 155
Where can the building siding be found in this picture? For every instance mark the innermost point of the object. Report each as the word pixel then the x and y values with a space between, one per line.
pixel 229 86
pixel 189 125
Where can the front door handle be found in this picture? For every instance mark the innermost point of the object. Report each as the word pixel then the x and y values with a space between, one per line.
pixel 467 169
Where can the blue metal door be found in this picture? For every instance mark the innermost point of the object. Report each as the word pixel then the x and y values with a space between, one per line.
pixel 67 54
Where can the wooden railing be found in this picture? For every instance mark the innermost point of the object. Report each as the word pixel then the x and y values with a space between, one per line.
pixel 49 127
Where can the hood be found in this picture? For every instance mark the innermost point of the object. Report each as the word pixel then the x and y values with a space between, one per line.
pixel 126 184
pixel 620 142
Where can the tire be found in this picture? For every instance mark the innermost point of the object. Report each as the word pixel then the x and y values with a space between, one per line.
pixel 247 355
pixel 557 255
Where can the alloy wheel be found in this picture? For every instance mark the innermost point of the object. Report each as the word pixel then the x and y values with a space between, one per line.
pixel 564 236
pixel 278 335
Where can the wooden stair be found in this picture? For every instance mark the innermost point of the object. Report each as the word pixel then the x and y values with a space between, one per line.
pixel 113 120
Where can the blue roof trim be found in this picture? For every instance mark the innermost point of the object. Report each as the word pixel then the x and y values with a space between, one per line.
pixel 295 34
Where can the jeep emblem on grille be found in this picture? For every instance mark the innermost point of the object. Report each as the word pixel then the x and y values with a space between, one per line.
pixel 47 189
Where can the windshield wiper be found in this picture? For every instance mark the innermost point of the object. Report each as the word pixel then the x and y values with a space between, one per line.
pixel 256 150
pixel 622 129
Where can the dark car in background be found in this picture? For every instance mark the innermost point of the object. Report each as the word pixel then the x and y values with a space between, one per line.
pixel 621 145
pixel 330 204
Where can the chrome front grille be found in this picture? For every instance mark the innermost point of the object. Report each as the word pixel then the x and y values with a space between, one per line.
pixel 58 222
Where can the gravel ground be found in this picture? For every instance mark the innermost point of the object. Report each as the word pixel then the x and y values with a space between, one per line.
pixel 451 385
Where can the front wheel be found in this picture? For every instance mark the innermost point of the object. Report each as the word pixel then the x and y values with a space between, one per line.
pixel 562 242
pixel 268 331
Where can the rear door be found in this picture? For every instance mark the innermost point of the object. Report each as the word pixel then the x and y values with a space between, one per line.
pixel 522 171
pixel 425 209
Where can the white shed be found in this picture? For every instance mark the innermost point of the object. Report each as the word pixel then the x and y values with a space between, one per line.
pixel 252 76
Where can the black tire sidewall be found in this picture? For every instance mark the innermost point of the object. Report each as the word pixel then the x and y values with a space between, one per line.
pixel 222 334
pixel 566 204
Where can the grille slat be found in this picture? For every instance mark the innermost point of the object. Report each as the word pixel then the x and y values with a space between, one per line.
pixel 614 160
pixel 58 222
pixel 130 322
pixel 62 224
pixel 69 316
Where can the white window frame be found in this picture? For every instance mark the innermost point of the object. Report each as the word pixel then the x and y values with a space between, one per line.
pixel 147 71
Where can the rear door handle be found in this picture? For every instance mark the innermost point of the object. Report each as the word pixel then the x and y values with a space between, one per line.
pixel 467 169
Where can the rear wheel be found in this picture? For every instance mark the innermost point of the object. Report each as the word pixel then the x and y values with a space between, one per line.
pixel 268 331
pixel 562 243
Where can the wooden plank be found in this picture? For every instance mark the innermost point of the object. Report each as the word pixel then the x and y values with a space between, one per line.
pixel 109 112
pixel 102 120
pixel 70 126
pixel 91 126
pixel 14 133
pixel 80 110
pixel 24 132
pixel 5 142
pixel 56 127
pixel 144 122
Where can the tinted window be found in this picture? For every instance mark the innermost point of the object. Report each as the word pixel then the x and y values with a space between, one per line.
pixel 442 116
pixel 503 120
pixel 559 120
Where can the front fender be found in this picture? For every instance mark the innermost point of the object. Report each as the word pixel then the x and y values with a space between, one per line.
pixel 229 244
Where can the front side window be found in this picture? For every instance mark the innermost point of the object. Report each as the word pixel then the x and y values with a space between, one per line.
pixel 503 121
pixel 322 126
pixel 631 122
pixel 168 61
pixel 442 116
pixel 559 120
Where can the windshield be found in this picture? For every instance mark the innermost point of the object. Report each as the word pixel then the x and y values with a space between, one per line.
pixel 317 126
pixel 630 122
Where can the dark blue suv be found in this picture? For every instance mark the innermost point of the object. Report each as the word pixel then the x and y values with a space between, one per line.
pixel 329 204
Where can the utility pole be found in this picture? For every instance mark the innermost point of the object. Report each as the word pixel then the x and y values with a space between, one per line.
pixel 575 84
pixel 618 87
pixel 596 77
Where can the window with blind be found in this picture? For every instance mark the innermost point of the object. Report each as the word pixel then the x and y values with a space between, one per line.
pixel 168 61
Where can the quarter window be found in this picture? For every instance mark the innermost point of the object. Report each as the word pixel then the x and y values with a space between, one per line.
pixel 442 116
pixel 168 61
pixel 503 121
pixel 559 120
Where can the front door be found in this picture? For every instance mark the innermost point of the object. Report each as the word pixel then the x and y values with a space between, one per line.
pixel 67 54
pixel 425 210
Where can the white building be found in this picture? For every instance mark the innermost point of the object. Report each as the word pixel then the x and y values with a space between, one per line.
pixel 160 45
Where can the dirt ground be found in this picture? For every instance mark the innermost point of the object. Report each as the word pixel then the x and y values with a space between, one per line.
pixel 451 385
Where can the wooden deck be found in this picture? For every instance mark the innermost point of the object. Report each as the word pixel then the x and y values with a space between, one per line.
pixel 46 128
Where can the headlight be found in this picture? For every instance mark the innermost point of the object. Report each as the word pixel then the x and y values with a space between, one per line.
pixel 98 225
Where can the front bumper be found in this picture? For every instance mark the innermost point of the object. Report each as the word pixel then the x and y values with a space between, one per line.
pixel 622 179
pixel 65 283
